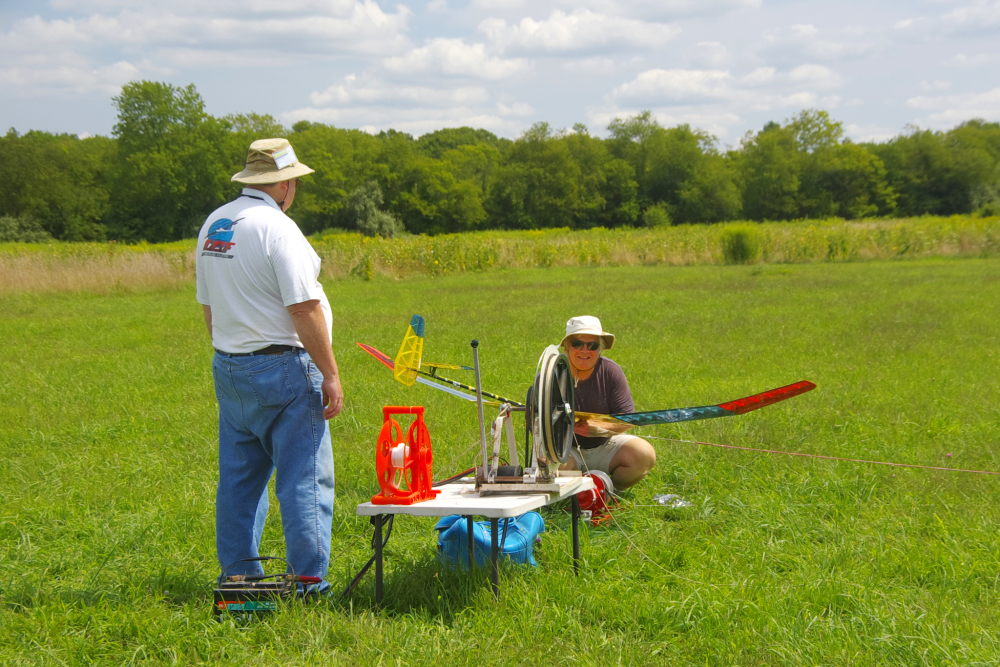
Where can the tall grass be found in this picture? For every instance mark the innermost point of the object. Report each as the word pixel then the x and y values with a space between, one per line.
pixel 55 266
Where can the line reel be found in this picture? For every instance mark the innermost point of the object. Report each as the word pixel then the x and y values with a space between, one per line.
pixel 551 412
pixel 404 467
pixel 549 418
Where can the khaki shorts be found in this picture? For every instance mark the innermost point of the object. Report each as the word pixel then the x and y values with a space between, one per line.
pixel 598 458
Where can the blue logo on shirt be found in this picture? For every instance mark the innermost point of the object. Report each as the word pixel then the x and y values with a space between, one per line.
pixel 220 236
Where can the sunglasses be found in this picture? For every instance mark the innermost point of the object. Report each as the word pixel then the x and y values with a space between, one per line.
pixel 577 344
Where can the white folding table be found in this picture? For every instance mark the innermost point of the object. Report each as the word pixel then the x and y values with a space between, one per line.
pixel 462 498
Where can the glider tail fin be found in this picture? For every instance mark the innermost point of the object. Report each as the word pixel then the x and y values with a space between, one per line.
pixel 407 360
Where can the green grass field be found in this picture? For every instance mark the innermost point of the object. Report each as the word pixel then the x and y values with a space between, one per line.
pixel 107 427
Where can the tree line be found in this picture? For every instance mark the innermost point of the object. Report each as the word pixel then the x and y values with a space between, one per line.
pixel 169 163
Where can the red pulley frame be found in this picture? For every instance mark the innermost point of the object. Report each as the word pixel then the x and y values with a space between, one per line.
pixel 597 500
pixel 410 482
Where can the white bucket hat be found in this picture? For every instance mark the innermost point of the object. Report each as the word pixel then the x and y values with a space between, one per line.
pixel 586 324
pixel 271 161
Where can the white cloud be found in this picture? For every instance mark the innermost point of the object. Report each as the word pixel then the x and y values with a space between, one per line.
pixel 416 121
pixel 714 120
pixel 866 132
pixel 494 5
pixel 75 78
pixel 352 92
pixel 186 33
pixel 978 60
pixel 934 86
pixel 711 55
pixel 677 85
pixel 715 99
pixel 582 30
pixel 818 76
pixel 949 110
pixel 454 57
pixel 516 109
pixel 979 16
pixel 661 9
pixel 336 32
pixel 805 41
pixel 437 6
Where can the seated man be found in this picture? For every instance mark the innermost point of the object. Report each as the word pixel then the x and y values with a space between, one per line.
pixel 601 388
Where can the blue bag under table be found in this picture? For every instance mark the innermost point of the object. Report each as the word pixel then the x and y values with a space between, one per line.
pixel 453 536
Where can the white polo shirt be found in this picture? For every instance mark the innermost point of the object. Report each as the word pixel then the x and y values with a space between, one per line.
pixel 252 262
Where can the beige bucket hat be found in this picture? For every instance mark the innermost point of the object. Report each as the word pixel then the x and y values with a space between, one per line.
pixel 586 324
pixel 271 161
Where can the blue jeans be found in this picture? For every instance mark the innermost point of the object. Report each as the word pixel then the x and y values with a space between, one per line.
pixel 271 419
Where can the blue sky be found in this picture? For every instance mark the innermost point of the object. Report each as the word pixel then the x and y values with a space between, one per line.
pixel 725 66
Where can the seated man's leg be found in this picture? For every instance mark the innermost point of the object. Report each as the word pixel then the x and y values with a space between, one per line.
pixel 303 456
pixel 633 461
pixel 625 458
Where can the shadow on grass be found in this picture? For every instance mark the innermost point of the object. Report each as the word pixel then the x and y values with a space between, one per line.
pixel 426 587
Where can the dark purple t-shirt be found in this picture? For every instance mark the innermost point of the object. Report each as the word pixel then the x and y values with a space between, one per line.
pixel 605 392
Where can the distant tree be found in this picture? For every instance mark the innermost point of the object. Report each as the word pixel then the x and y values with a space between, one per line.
pixel 656 216
pixel 476 163
pixel 254 126
pixel 678 168
pixel 607 194
pixel 770 171
pixel 538 184
pixel 430 200
pixel 633 139
pixel 343 161
pixel 814 130
pixel 363 206
pixel 57 182
pixel 173 163
pixel 710 193
pixel 806 169
pixel 22 230
pixel 939 173
pixel 846 180
pixel 436 144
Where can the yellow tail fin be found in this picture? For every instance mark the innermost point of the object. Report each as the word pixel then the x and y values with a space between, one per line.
pixel 407 361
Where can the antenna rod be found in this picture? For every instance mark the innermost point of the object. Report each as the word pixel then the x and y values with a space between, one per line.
pixel 479 400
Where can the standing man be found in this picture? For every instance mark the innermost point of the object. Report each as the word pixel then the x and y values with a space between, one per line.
pixel 276 379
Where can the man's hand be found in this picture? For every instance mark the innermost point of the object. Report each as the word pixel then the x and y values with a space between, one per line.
pixel 333 397
pixel 310 325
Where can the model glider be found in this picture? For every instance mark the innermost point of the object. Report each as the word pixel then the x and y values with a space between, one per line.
pixel 598 425
pixel 408 368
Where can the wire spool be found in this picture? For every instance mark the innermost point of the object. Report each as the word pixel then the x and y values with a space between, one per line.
pixel 404 466
pixel 551 403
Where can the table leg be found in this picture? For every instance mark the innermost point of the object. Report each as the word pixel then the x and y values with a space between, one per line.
pixel 378 558
pixel 576 536
pixel 494 557
pixel 472 550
